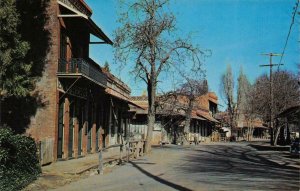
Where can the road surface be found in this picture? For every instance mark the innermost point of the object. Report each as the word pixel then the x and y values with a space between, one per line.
pixel 218 166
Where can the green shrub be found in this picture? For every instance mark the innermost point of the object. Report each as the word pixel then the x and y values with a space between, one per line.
pixel 19 164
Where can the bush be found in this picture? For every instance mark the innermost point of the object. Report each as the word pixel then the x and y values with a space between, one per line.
pixel 19 164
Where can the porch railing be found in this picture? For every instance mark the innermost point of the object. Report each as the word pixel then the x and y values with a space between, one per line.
pixel 81 66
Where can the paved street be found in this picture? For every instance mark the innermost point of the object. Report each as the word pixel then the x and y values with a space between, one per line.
pixel 218 166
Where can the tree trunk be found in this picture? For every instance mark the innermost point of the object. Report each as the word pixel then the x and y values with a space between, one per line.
pixel 188 117
pixel 151 121
pixel 151 114
pixel 187 122
pixel 250 130
pixel 271 134
pixel 277 134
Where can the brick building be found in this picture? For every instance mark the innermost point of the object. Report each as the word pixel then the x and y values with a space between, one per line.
pixel 86 107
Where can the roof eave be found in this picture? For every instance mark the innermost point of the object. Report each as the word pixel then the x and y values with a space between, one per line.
pixel 98 32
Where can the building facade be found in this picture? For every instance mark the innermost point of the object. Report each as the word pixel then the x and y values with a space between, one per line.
pixel 170 119
pixel 86 107
pixel 288 125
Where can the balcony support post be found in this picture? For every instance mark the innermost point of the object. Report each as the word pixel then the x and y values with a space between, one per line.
pixel 69 88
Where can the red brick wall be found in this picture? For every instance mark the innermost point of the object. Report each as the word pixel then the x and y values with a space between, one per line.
pixel 43 124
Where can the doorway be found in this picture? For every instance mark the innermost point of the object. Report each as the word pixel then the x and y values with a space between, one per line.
pixel 60 130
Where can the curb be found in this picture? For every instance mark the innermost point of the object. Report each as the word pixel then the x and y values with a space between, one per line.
pixel 269 148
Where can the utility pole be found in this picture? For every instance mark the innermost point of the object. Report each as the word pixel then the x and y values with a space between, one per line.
pixel 271 91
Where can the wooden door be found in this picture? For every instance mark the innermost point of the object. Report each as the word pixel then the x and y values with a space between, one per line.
pixel 60 130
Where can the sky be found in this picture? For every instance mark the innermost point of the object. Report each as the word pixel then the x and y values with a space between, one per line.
pixel 235 31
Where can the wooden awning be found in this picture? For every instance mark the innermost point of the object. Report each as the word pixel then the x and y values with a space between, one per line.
pixel 85 21
pixel 96 31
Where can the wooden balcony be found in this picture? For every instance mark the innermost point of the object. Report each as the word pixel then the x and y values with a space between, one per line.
pixel 75 67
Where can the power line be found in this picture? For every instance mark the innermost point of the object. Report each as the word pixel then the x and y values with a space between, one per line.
pixel 288 36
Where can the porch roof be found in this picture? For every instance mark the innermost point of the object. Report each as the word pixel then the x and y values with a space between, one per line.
pixel 124 99
pixel 96 31
pixel 289 111
pixel 195 116
pixel 207 116
pixel 84 20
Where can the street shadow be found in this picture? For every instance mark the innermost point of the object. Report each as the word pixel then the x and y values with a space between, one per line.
pixel 294 156
pixel 242 164
pixel 158 179
pixel 144 163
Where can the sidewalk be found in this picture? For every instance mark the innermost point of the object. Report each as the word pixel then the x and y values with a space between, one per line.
pixel 80 165
pixel 63 172
pixel 265 146
pixel 277 154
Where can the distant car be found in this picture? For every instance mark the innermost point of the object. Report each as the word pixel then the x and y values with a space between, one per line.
pixel 295 148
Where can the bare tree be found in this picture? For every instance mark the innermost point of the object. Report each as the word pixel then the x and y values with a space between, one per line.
pixel 181 102
pixel 146 38
pixel 227 88
pixel 245 104
pixel 191 89
pixel 286 94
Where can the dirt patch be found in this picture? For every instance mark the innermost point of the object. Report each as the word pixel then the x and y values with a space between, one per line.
pixel 48 180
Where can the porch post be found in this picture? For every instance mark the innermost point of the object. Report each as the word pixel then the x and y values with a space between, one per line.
pixel 94 129
pixel 85 129
pixel 75 145
pixel 66 128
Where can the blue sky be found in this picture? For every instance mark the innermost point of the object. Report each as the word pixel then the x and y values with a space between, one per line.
pixel 236 31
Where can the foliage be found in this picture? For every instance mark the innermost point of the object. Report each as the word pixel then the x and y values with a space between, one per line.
pixel 106 66
pixel 32 18
pixel 18 160
pixel 13 71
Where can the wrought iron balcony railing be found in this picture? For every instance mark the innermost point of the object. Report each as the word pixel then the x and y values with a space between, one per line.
pixel 81 66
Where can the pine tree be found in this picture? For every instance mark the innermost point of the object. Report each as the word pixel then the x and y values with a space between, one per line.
pixel 243 92
pixel 106 66
pixel 245 112
pixel 14 80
